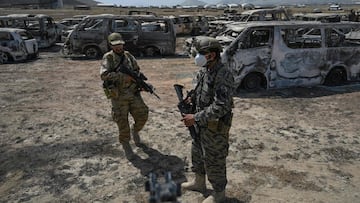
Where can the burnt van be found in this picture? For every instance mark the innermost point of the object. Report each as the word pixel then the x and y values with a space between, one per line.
pixel 41 26
pixel 293 53
pixel 143 35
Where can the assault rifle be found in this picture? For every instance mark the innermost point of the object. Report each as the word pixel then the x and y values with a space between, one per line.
pixel 162 192
pixel 185 107
pixel 139 79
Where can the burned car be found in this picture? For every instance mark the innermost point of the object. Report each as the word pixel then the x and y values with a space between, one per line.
pixel 190 25
pixel 65 26
pixel 225 35
pixel 268 14
pixel 17 45
pixel 143 35
pixel 276 55
pixel 41 26
pixel 323 17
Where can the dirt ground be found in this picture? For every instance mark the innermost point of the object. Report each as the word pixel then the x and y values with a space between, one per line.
pixel 58 143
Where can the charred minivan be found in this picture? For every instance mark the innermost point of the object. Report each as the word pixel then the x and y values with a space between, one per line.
pixel 293 53
pixel 144 35
pixel 41 26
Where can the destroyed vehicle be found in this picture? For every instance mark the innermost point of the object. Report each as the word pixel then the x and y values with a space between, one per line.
pixel 65 26
pixel 69 22
pixel 42 27
pixel 140 12
pixel 216 27
pixel 231 31
pixel 225 38
pixel 270 55
pixel 190 25
pixel 17 45
pixel 322 17
pixel 202 24
pixel 270 14
pixel 143 35
pixel 225 35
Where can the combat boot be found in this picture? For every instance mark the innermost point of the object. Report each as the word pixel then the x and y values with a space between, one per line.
pixel 215 197
pixel 129 154
pixel 136 137
pixel 198 184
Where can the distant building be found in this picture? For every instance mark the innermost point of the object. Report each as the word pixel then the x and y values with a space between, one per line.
pixel 32 3
pixel 107 5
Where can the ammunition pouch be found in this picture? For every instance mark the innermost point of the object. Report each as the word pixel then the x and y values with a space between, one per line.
pixel 111 89
pixel 221 125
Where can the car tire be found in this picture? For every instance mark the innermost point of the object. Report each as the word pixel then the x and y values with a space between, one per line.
pixel 252 82
pixel 4 57
pixel 92 52
pixel 335 77
pixel 151 51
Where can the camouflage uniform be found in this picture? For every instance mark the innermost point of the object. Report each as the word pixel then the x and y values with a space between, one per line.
pixel 127 98
pixel 214 103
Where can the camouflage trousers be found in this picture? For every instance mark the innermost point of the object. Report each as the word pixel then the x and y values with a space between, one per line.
pixel 133 104
pixel 210 151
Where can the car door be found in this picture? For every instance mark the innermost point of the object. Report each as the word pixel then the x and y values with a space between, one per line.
pixel 129 30
pixel 251 52
pixel 92 32
pixel 298 57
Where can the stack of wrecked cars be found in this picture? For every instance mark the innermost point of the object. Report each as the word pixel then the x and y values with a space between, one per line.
pixel 145 35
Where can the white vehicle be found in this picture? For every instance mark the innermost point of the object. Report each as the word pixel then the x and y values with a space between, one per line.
pixel 278 54
pixel 335 7
pixel 17 45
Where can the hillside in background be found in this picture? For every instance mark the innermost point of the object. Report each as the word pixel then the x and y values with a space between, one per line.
pixel 80 2
pixel 192 3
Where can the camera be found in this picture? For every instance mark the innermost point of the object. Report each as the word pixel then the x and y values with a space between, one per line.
pixel 167 191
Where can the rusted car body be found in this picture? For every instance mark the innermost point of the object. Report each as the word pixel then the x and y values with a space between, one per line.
pixel 285 54
pixel 144 35
pixel 41 26
pixel 17 45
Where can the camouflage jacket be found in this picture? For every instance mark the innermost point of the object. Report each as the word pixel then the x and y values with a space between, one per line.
pixel 112 60
pixel 213 93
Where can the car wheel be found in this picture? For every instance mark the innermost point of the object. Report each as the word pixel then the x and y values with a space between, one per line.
pixel 4 58
pixel 252 82
pixel 92 52
pixel 335 77
pixel 150 51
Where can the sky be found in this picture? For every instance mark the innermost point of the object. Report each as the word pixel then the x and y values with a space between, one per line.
pixel 147 2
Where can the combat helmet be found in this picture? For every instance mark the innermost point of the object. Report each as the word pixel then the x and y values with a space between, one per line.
pixel 115 39
pixel 207 44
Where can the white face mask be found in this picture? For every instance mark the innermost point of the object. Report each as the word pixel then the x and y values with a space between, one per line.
pixel 200 60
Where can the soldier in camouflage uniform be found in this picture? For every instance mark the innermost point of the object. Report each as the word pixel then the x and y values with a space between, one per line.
pixel 124 93
pixel 213 100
